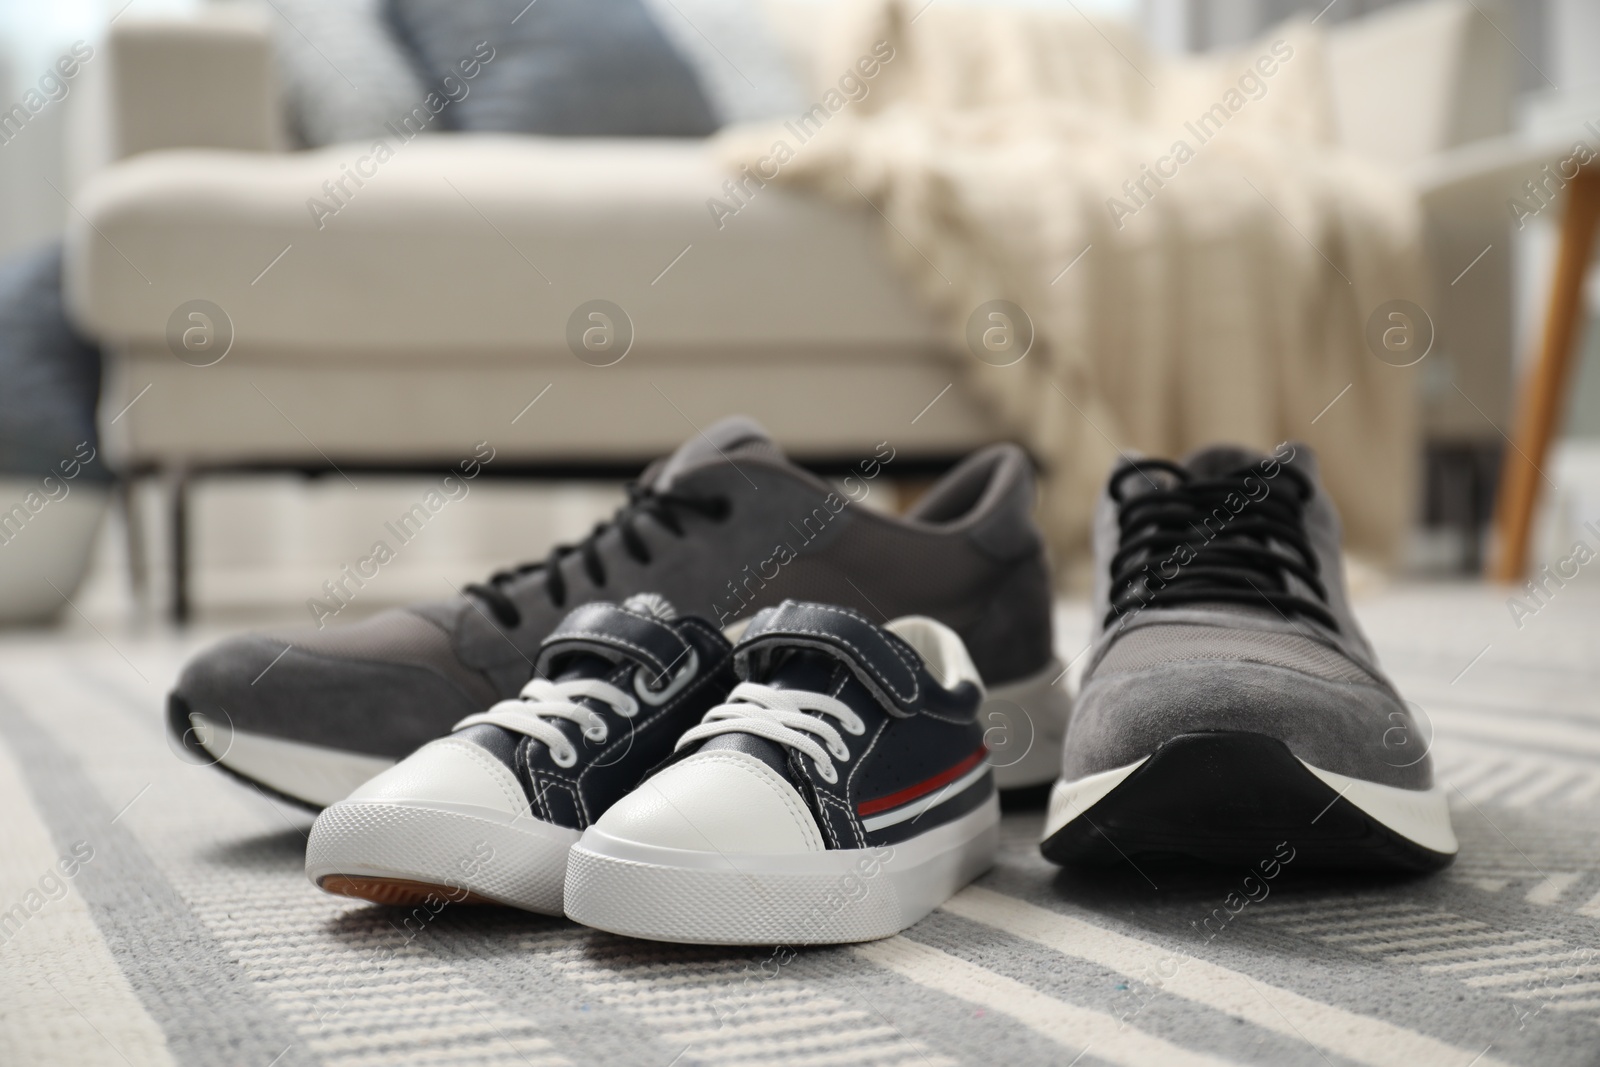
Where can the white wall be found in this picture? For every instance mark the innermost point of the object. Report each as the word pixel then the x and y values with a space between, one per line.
pixel 33 35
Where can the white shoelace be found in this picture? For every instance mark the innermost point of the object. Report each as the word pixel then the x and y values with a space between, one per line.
pixel 542 700
pixel 780 715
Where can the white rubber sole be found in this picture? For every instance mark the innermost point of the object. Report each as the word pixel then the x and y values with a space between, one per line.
pixel 311 774
pixel 810 898
pixel 1420 816
pixel 1068 800
pixel 1024 725
pixel 397 853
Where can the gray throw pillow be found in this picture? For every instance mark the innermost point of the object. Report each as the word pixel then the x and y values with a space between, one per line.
pixel 598 68
pixel 736 53
pixel 343 73
pixel 49 373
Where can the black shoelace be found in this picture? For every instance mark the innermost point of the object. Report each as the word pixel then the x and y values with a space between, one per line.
pixel 1243 557
pixel 642 500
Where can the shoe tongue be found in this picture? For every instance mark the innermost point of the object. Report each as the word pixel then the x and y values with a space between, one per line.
pixel 891 671
pixel 577 661
pixel 1216 460
pixel 803 668
pixel 639 631
pixel 503 742
pixel 816 672
pixel 583 665
pixel 725 439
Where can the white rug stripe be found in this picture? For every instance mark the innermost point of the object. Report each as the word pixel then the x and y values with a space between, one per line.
pixel 750 1013
pixel 1477 940
pixel 1319 909
pixel 1451 926
pixel 762 1027
pixel 1548 889
pixel 1513 731
pixel 54 963
pixel 1539 974
pixel 1481 952
pixel 819 1041
pixel 1075 1028
pixel 1485 790
pixel 1503 961
pixel 1465 763
pixel 688 1011
pixel 1461 767
pixel 1584 793
pixel 1318 928
pixel 1554 992
pixel 899 1054
pixel 1576 1005
pixel 1330 1028
pixel 725 1002
pixel 1547 786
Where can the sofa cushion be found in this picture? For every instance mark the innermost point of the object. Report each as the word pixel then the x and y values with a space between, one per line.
pixel 599 68
pixel 471 245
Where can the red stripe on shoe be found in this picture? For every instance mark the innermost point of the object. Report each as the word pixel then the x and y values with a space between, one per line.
pixel 922 788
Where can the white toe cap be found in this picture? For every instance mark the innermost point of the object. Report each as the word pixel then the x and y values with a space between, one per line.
pixel 719 801
pixel 449 773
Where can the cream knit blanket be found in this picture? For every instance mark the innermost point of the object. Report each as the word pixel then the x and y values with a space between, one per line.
pixel 1197 258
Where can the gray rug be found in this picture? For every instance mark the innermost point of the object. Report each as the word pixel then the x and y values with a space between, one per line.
pixel 152 912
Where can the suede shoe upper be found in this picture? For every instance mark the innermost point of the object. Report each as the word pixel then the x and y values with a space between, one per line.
pixel 723 527
pixel 1220 606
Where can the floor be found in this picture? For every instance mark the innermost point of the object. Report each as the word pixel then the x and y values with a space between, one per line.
pixel 152 912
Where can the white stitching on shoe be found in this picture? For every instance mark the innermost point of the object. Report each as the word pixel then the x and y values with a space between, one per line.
pixel 849 817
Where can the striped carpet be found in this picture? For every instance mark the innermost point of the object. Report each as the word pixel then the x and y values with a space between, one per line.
pixel 152 912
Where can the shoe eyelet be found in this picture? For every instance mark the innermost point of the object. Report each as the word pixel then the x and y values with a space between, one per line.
pixel 564 757
pixel 657 697
pixel 826 772
pixel 855 727
pixel 597 734
pixel 842 753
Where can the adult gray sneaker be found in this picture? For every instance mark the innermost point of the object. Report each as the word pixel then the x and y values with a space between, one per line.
pixel 1231 709
pixel 723 527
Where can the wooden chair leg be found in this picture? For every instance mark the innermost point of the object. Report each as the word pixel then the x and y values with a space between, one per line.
pixel 1539 409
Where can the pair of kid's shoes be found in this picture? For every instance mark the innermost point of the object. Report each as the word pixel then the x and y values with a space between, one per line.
pixel 823 780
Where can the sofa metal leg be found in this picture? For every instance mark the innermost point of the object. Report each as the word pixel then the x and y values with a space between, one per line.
pixel 178 484
pixel 127 492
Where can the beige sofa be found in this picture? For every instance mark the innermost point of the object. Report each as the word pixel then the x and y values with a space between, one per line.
pixel 434 306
